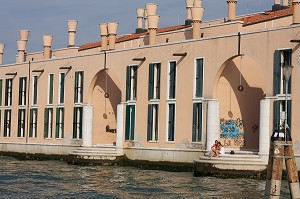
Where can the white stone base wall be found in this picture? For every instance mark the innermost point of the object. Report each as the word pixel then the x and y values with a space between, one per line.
pixel 37 148
pixel 163 155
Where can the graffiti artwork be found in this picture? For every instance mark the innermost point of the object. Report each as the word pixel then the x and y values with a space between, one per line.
pixel 231 132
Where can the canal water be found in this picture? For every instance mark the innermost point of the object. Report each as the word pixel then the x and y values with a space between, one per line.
pixel 57 179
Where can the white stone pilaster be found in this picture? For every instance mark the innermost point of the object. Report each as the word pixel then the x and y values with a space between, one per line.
pixel 264 129
pixel 213 123
pixel 87 125
pixel 120 128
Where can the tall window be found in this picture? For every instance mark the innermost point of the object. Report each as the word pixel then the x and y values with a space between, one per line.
pixel 172 80
pixel 171 122
pixel 33 123
pixel 77 123
pixel 7 123
pixel 48 122
pixel 78 88
pixel 130 122
pixel 154 81
pixel 8 92
pixel 50 88
pixel 22 91
pixel 152 131
pixel 281 58
pixel 34 90
pixel 21 123
pixel 60 114
pixel 199 78
pixel 131 83
pixel 197 122
pixel 61 89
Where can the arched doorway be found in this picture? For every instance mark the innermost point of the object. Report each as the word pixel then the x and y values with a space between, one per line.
pixel 105 109
pixel 240 109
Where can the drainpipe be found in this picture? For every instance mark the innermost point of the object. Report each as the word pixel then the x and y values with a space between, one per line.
pixel 112 33
pixel 21 51
pixel 189 5
pixel 276 5
pixel 231 9
pixel 197 3
pixel 197 14
pixel 146 19
pixel 296 11
pixel 103 33
pixel 140 17
pixel 72 25
pixel 2 46
pixel 47 40
pixel 153 24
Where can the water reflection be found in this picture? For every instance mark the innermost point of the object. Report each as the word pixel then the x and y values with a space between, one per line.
pixel 56 179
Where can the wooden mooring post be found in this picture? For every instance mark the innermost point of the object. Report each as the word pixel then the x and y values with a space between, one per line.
pixel 281 147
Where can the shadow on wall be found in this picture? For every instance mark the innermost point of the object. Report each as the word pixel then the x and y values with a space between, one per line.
pixel 248 102
pixel 107 84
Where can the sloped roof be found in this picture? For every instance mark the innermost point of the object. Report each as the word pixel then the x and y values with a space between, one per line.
pixel 266 16
pixel 131 37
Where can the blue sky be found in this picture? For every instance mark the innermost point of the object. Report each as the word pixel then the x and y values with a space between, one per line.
pixel 49 17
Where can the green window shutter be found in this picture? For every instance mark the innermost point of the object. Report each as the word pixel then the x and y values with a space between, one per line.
pixel 135 82
pixel 25 89
pixel 158 80
pixel 290 51
pixel 127 123
pixel 62 88
pixel 57 123
pixel 0 92
pixel 199 128
pixel 62 122
pixel 150 122
pixel 132 122
pixel 81 86
pixel 6 91
pixel 80 124
pixel 277 72
pixel 199 78
pixel 19 122
pixel 171 122
pixel 20 90
pixel 156 122
pixel 151 81
pixel 276 115
pixel 35 90
pixel 51 89
pixel 194 133
pixel 76 87
pixel 172 80
pixel 46 122
pixel 128 82
pixel 75 115
pixel 31 123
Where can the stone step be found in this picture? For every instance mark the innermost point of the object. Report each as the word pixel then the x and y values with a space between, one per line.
pixel 236 156
pixel 96 149
pixel 231 159
pixel 94 152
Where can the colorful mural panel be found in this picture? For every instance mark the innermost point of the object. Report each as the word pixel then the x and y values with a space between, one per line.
pixel 231 132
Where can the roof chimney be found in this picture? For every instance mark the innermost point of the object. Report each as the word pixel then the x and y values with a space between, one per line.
pixel 112 33
pixel 285 4
pixel 197 3
pixel 24 35
pixel 140 17
pixel 146 19
pixel 197 14
pixel 72 25
pixel 276 5
pixel 47 40
pixel 153 24
pixel 189 5
pixel 231 9
pixel 21 51
pixel 296 11
pixel 151 9
pixel 104 35
pixel 1 53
